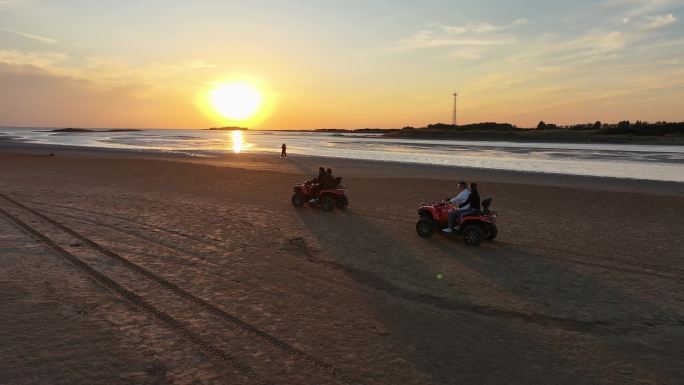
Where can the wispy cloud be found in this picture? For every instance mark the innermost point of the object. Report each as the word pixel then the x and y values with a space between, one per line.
pixel 481 28
pixel 659 21
pixel 468 53
pixel 590 48
pixel 626 11
pixel 471 34
pixel 42 39
pixel 46 61
pixel 106 73
pixel 199 64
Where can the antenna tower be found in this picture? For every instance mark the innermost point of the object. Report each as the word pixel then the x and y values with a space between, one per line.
pixel 454 121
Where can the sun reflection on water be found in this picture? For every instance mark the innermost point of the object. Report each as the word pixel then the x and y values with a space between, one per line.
pixel 238 142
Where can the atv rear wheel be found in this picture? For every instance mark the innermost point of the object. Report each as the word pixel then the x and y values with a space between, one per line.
pixel 491 233
pixel 342 202
pixel 473 235
pixel 425 227
pixel 327 203
pixel 298 200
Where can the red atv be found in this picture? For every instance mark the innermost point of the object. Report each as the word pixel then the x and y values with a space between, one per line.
pixel 474 227
pixel 328 199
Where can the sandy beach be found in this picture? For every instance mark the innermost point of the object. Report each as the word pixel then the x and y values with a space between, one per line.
pixel 200 271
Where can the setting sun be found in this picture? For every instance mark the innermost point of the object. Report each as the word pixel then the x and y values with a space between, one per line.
pixel 236 101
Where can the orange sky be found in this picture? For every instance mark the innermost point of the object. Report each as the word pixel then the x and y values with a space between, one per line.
pixel 340 64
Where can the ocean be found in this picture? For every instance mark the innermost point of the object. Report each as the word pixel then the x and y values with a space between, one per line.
pixel 647 162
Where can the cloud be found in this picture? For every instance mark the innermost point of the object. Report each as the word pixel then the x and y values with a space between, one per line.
pixel 30 36
pixel 198 64
pixel 14 3
pixel 481 28
pixel 107 73
pixel 600 42
pixel 593 46
pixel 427 42
pixel 469 53
pixel 659 21
pixel 471 34
pixel 41 99
pixel 626 11
pixel 47 61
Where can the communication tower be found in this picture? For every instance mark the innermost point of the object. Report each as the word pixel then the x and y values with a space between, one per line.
pixel 454 121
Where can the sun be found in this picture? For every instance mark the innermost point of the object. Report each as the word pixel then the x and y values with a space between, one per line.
pixel 237 101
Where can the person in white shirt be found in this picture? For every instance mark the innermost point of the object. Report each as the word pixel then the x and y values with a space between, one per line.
pixel 461 196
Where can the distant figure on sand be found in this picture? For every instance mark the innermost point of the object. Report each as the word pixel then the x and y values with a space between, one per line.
pixel 283 152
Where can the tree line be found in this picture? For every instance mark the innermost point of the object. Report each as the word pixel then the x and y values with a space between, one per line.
pixel 624 127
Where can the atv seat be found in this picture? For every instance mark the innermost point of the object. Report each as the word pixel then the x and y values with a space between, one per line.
pixel 485 206
pixel 470 213
pixel 486 203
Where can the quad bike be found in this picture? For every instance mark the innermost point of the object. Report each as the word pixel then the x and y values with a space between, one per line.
pixel 328 198
pixel 475 227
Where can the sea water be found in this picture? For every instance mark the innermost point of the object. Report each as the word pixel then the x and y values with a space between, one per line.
pixel 650 162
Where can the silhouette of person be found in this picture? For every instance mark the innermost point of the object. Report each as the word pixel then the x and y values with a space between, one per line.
pixel 321 175
pixel 283 152
pixel 318 182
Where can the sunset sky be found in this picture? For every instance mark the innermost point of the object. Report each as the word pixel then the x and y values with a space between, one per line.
pixel 341 64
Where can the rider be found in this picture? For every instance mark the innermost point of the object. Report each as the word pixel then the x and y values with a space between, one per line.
pixel 317 183
pixel 473 201
pixel 329 179
pixel 321 175
pixel 461 202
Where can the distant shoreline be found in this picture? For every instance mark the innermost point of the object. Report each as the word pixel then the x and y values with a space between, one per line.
pixel 541 137
pixel 446 132
pixel 227 129
pixel 521 135
pixel 78 130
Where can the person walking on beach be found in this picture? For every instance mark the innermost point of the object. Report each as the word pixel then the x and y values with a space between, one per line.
pixel 283 152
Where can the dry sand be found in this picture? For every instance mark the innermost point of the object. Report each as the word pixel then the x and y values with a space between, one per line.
pixel 585 283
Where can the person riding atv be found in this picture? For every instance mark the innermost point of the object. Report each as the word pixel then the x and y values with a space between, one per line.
pixel 325 190
pixel 470 204
pixel 475 224
pixel 330 180
pixel 318 182
pixel 462 194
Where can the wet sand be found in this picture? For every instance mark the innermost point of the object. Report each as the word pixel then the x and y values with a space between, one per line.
pixel 583 285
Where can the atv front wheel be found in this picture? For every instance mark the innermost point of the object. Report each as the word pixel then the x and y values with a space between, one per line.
pixel 473 235
pixel 491 233
pixel 342 202
pixel 327 203
pixel 425 227
pixel 298 200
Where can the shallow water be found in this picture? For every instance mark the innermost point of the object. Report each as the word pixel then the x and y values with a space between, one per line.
pixel 651 162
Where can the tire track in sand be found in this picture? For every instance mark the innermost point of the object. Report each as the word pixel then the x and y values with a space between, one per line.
pixel 326 369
